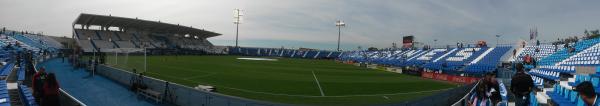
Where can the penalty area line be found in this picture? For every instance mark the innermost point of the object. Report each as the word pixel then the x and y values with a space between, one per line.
pixel 318 84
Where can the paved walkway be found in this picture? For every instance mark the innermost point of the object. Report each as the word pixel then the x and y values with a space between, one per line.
pixel 93 91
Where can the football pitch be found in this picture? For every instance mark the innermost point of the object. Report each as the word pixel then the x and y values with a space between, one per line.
pixel 286 80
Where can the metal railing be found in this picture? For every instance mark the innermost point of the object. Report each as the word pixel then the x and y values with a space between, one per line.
pixel 463 101
pixel 64 97
pixel 67 100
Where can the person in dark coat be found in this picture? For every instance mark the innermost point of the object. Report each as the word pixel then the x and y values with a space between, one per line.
pixel 51 91
pixel 521 85
pixel 38 83
pixel 587 93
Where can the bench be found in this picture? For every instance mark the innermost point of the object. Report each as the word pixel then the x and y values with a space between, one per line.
pixel 157 96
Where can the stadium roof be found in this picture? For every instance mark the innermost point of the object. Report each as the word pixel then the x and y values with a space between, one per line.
pixel 145 25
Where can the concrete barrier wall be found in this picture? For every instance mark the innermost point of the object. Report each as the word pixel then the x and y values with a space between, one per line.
pixel 181 95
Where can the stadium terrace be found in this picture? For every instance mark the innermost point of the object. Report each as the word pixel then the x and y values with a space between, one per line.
pixel 111 60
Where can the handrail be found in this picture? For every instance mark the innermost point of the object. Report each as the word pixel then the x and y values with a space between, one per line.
pixel 60 89
pixel 71 97
pixel 466 95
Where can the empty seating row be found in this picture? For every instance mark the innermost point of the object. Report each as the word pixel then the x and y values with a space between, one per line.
pixel 86 34
pixel 456 60
pixel 4 96
pixel 563 69
pixel 538 51
pixel 489 61
pixel 21 72
pixel 579 79
pixel 477 60
pixel 6 69
pixel 27 41
pixel 561 55
pixel 13 41
pixel 587 57
pixel 564 96
pixel 45 40
pixel 538 81
pixel 551 75
pixel 283 52
pixel 26 96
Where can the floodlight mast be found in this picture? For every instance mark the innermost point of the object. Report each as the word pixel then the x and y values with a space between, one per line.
pixel 237 15
pixel 498 40
pixel 339 24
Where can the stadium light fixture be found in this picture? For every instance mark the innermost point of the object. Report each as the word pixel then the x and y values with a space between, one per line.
pixel 339 24
pixel 498 39
pixel 237 18
pixel 434 42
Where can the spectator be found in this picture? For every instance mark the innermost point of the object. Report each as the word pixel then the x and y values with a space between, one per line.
pixel 492 87
pixel 38 83
pixel 457 45
pixel 479 97
pixel 527 59
pixel 534 62
pixel 62 56
pixel 514 53
pixel 50 97
pixel 90 62
pixel 521 85
pixel 587 93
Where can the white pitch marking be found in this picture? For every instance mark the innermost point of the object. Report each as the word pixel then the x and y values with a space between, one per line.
pixel 316 80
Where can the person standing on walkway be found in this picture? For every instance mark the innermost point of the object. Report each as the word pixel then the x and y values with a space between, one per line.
pixel 521 85
pixel 51 91
pixel 38 83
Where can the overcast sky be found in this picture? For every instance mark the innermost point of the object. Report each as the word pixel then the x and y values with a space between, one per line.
pixel 310 23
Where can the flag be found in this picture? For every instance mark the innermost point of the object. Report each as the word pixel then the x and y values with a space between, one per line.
pixel 533 33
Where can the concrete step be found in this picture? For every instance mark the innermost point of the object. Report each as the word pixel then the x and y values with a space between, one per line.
pixel 15 98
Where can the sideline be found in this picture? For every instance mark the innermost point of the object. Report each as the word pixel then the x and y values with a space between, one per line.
pixel 318 84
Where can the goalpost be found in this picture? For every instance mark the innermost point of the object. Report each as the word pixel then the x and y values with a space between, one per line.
pixel 120 58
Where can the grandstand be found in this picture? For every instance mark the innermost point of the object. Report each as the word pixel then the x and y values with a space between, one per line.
pixel 463 60
pixel 13 79
pixel 129 33
pixel 554 76
pixel 239 76
pixel 557 71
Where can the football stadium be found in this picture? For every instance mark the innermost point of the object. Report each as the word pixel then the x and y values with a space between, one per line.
pixel 123 60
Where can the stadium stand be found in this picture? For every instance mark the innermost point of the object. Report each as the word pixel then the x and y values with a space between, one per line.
pixel 488 60
pixel 538 51
pixel 456 59
pixel 587 57
pixel 559 70
pixel 142 34
pixel 461 60
pixel 27 96
pixel 4 93
pixel 250 51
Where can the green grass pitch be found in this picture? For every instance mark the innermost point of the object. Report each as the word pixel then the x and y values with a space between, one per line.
pixel 287 80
